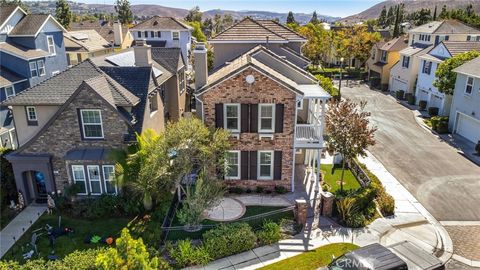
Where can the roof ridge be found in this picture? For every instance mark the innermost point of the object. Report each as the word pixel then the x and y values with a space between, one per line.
pixel 284 27
pixel 266 28
pixel 110 79
pixel 231 26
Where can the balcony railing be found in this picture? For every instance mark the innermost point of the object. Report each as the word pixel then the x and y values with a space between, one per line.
pixel 308 133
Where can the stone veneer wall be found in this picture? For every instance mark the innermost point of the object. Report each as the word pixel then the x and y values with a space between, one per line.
pixel 263 90
pixel 65 133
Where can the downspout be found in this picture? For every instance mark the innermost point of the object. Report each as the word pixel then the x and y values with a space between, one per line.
pixel 294 148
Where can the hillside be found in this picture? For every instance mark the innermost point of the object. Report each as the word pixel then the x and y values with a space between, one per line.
pixel 410 6
pixel 150 10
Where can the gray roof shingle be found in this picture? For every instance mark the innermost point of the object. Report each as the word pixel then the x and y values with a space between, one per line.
pixel 248 29
pixel 445 27
pixel 104 28
pixel 161 23
pixel 457 47
pixel 471 68
pixel 29 25
pixel 170 58
pixel 5 11
pixel 8 77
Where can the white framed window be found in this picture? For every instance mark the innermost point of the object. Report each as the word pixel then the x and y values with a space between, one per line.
pixel 33 69
pixel 427 67
pixel 51 44
pixel 159 34
pixel 469 85
pixel 139 34
pixel 78 173
pixel 94 179
pixel 92 124
pixel 266 117
pixel 109 179
pixel 265 165
pixel 233 165
pixel 146 34
pixel 41 67
pixel 9 91
pixel 300 104
pixel 406 61
pixel 232 117
pixel 384 56
pixel 31 113
pixel 175 35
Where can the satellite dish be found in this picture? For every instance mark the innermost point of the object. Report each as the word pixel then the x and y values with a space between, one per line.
pixel 250 79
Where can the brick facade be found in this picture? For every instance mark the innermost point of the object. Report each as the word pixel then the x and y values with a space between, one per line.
pixel 64 134
pixel 263 90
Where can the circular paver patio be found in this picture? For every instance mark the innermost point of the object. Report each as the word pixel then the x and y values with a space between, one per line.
pixel 228 209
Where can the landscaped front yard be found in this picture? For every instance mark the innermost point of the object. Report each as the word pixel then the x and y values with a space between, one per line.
pixel 332 175
pixel 313 259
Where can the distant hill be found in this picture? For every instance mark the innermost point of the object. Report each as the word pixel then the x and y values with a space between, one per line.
pixel 151 10
pixel 410 6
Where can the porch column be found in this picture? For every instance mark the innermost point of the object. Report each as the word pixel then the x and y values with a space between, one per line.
pixel 323 115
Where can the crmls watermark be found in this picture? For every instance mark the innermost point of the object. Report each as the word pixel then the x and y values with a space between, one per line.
pixel 346 263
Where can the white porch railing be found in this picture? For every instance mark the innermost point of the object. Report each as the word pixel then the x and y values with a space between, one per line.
pixel 308 132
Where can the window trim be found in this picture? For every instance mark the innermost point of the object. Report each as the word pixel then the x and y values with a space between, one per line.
pixel 33 69
pixel 225 118
pixel 384 57
pixel 28 114
pixel 259 177
pixel 159 34
pixel 425 63
pixel 84 178
pixel 83 124
pixel 173 38
pixel 260 130
pixel 467 85
pixel 300 104
pixel 13 90
pixel 112 180
pixel 408 62
pixel 41 74
pixel 90 180
pixel 139 34
pixel 52 45
pixel 145 33
pixel 237 177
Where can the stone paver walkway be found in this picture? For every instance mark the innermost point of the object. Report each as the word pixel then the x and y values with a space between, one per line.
pixel 19 225
pixel 228 209
pixel 466 241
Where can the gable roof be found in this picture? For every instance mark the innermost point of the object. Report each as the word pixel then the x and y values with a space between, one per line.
pixel 6 11
pixel 470 68
pixel 162 23
pixel 249 29
pixel 31 25
pixel 457 47
pixel 58 89
pixel 445 27
pixel 22 52
pixel 85 40
pixel 394 45
pixel 103 28
pixel 8 77
pixel 170 58
pixel 282 30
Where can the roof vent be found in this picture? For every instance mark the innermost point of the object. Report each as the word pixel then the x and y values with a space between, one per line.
pixel 155 23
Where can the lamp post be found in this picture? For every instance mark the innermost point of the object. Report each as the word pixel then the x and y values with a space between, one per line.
pixel 341 75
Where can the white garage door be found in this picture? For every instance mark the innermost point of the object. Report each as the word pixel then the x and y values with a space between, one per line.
pixel 398 85
pixel 468 127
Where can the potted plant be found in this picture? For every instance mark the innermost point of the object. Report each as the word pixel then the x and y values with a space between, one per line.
pixel 400 94
pixel 422 104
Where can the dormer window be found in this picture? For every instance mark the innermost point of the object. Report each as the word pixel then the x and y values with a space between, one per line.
pixel 51 44
pixel 92 127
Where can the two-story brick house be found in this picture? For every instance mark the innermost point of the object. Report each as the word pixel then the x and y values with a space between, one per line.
pixel 464 117
pixel 273 109
pixel 167 32
pixel 68 124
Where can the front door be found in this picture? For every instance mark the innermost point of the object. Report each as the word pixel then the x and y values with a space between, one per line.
pixel 39 185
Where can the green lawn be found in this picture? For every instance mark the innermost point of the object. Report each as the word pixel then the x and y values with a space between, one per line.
pixel 250 211
pixel 312 259
pixel 332 175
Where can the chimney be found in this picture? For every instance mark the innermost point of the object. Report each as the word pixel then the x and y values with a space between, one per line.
pixel 201 66
pixel 143 54
pixel 117 33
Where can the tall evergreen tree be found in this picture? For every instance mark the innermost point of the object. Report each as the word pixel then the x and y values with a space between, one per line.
pixel 314 19
pixel 63 13
pixel 469 10
pixel 390 17
pixel 382 20
pixel 435 14
pixel 290 18
pixel 444 14
pixel 125 15
pixel 396 28
pixel 194 15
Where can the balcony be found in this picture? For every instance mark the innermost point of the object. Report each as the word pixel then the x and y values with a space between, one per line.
pixel 308 135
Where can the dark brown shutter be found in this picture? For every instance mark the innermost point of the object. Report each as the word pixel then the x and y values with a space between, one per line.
pixel 244 165
pixel 279 108
pixel 219 115
pixel 245 121
pixel 277 165
pixel 253 165
pixel 253 118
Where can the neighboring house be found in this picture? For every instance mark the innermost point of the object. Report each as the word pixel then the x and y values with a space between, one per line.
pixel 113 32
pixel 274 111
pixel 170 69
pixel 421 39
pixel 249 33
pixel 90 110
pixel 465 111
pixel 166 32
pixel 84 44
pixel 429 63
pixel 31 49
pixel 383 56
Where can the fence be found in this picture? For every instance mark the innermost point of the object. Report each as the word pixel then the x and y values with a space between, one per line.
pixel 359 173
pixel 167 221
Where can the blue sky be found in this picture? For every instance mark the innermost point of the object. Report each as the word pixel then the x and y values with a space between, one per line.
pixel 339 8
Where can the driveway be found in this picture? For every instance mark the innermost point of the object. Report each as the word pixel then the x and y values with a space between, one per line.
pixel 443 181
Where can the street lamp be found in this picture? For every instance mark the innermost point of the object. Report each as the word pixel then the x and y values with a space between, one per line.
pixel 341 75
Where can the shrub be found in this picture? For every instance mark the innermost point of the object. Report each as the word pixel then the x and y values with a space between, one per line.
pixel 325 186
pixel 386 203
pixel 400 94
pixel 346 207
pixel 236 190
pixel 434 122
pixel 8 188
pixel 442 127
pixel 410 98
pixel 229 239
pixel 422 104
pixel 356 220
pixel 259 189
pixel 185 254
pixel 433 111
pixel 270 233
pixel 281 189
pixel 327 85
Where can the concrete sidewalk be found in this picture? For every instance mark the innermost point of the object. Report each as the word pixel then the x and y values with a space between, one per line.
pixel 411 222
pixel 19 225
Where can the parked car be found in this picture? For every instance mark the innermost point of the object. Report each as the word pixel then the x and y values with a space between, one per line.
pixel 400 256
